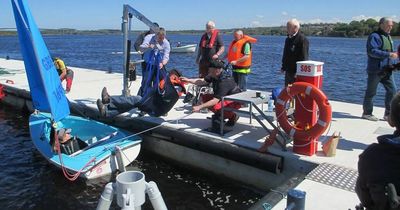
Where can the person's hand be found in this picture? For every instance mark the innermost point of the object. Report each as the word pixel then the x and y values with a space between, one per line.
pixel 394 55
pixel 161 65
pixel 215 56
pixel 151 46
pixel 184 79
pixel 233 62
pixel 196 108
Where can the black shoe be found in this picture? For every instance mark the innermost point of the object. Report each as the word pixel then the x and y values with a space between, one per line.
pixel 101 107
pixel 188 98
pixel 142 113
pixel 231 122
pixel 105 97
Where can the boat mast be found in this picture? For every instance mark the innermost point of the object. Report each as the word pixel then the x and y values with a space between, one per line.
pixel 128 13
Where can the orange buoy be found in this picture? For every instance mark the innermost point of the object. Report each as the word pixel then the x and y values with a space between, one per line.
pixel 325 111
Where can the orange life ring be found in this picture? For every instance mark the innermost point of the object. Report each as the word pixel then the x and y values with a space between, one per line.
pixel 325 111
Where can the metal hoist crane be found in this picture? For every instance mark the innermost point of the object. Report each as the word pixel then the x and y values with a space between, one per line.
pixel 128 14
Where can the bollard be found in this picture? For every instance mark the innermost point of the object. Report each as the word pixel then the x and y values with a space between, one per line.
pixel 295 200
pixel 130 189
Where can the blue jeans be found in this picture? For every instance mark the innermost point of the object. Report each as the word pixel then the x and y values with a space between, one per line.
pixel 241 80
pixel 372 84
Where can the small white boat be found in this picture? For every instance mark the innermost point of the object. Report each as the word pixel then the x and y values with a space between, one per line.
pixel 190 48
pixel 98 143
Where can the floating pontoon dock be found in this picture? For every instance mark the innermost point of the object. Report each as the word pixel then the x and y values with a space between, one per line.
pixel 181 136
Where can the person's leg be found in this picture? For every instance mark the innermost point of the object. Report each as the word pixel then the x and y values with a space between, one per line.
pixel 372 84
pixel 236 77
pixel 390 87
pixel 122 103
pixel 203 68
pixel 144 78
pixel 227 104
pixel 242 82
pixel 69 78
pixel 290 78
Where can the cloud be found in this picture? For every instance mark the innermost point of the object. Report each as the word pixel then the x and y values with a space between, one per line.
pixel 284 13
pixel 260 16
pixel 364 17
pixel 318 20
pixel 256 23
pixel 313 21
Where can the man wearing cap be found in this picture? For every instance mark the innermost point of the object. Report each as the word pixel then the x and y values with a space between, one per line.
pixel 223 85
pixel 68 143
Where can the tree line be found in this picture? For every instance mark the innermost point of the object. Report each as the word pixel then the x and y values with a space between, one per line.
pixel 352 29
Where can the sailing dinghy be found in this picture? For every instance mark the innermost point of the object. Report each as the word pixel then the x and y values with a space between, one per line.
pixel 104 146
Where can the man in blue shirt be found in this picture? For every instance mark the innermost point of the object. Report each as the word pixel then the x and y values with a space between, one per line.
pixel 380 55
pixel 154 43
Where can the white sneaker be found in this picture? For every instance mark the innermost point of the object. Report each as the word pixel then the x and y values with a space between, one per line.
pixel 369 117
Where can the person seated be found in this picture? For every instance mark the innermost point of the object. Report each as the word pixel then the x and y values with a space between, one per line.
pixel 223 85
pixel 68 144
pixel 64 72
pixel 113 105
pixel 379 165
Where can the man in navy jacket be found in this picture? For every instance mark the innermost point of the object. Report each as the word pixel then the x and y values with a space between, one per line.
pixel 381 54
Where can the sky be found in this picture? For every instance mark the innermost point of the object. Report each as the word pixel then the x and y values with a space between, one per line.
pixel 191 14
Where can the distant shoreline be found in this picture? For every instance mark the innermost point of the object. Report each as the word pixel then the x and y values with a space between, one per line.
pixel 354 29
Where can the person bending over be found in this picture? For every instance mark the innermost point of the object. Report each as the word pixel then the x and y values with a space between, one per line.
pixel 64 72
pixel 223 85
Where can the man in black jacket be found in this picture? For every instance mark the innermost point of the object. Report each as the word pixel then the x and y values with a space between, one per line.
pixel 296 49
pixel 379 165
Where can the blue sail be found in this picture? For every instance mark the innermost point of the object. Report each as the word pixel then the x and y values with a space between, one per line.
pixel 44 83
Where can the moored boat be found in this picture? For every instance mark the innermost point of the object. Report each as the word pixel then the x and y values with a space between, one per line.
pixel 98 146
pixel 190 48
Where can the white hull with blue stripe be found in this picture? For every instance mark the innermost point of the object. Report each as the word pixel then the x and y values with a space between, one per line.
pixel 102 141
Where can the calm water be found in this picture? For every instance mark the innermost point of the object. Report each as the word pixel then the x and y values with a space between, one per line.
pixel 29 182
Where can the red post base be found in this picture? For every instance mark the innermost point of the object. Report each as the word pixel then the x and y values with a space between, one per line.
pixel 305 147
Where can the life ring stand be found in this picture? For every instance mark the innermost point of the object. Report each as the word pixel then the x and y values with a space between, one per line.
pixel 325 111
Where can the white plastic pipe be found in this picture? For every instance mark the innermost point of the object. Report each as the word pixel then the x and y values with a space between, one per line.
pixel 106 197
pixel 155 196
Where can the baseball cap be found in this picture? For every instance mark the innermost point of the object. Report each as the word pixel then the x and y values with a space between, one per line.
pixel 63 131
pixel 219 64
